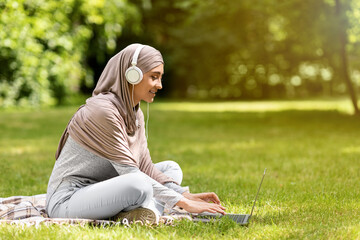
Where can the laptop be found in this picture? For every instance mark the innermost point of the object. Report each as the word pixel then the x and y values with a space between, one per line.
pixel 242 219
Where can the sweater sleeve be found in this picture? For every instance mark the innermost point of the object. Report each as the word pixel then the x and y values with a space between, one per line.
pixel 177 188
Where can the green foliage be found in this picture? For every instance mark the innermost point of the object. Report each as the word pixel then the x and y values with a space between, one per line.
pixel 310 148
pixel 44 45
pixel 255 49
pixel 249 49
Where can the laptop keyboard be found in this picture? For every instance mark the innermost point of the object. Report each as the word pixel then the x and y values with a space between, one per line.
pixel 238 218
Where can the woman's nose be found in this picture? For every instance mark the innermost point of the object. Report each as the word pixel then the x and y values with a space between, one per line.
pixel 159 84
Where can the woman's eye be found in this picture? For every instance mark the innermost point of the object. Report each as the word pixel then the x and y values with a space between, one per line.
pixel 154 78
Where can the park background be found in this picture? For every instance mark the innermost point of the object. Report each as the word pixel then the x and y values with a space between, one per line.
pixel 248 84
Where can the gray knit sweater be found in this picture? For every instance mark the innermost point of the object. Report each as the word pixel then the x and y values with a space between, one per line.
pixel 78 165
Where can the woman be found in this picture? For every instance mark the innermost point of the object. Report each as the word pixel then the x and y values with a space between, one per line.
pixel 103 167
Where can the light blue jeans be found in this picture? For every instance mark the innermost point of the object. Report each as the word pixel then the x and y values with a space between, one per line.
pixel 105 199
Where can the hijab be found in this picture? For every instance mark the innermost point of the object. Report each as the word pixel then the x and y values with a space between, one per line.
pixel 100 125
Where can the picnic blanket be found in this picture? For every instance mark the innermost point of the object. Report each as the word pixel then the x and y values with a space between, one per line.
pixel 30 210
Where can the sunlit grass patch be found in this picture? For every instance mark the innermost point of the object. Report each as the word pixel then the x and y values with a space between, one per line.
pixel 341 105
pixel 351 150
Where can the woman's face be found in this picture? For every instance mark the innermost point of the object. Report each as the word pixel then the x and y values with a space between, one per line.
pixel 149 85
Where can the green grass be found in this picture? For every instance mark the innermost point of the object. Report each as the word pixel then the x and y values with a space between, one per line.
pixel 310 148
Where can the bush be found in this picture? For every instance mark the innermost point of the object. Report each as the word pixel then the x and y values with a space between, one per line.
pixel 44 44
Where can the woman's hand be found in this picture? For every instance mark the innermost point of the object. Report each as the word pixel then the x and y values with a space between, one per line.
pixel 201 202
pixel 200 206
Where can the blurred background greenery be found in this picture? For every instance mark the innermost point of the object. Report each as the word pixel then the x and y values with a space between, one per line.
pixel 53 51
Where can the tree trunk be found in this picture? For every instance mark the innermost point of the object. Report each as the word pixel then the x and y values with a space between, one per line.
pixel 343 57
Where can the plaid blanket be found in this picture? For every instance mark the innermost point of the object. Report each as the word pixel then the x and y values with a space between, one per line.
pixel 21 207
pixel 30 210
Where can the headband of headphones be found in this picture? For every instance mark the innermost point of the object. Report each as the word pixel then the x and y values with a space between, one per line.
pixel 136 55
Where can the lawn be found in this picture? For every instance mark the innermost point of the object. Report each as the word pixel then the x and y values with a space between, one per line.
pixel 310 148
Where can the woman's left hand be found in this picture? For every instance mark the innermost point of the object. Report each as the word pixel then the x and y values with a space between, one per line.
pixel 203 197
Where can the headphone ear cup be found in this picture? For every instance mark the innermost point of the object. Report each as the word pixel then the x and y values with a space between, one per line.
pixel 134 75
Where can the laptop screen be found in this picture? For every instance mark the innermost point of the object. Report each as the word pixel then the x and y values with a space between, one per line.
pixel 257 194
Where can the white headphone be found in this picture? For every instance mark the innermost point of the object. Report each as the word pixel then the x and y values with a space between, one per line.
pixel 133 74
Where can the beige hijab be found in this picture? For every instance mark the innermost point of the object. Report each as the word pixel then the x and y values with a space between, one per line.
pixel 100 124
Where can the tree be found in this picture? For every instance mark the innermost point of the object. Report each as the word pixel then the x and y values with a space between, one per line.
pixel 44 46
pixel 258 49
pixel 341 27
